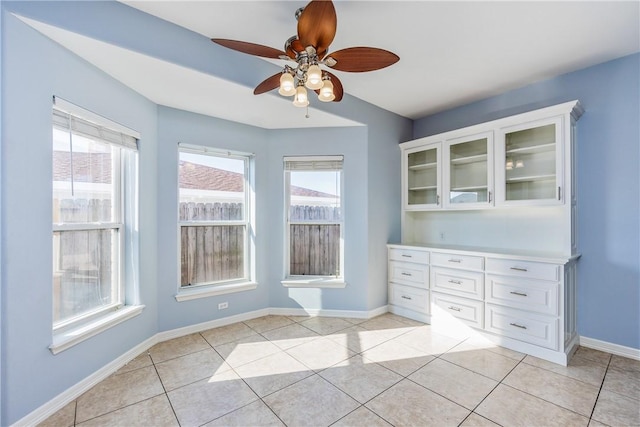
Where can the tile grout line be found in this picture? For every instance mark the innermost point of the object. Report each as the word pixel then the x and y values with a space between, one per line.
pixel 166 394
pixel 600 389
pixel 473 411
pixel 75 412
pixel 608 368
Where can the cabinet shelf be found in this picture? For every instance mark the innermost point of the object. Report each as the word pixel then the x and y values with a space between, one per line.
pixel 531 178
pixel 469 189
pixel 423 166
pixel 534 149
pixel 423 188
pixel 469 159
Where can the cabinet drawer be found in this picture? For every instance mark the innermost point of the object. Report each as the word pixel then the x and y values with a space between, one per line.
pixel 458 282
pixel 469 262
pixel 409 255
pixel 529 327
pixel 469 311
pixel 531 295
pixel 409 297
pixel 409 274
pixel 530 269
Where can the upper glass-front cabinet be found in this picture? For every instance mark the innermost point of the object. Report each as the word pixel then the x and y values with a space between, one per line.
pixel 530 163
pixel 469 171
pixel 422 169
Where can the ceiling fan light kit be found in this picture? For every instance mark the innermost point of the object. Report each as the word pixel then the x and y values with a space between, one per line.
pixel 317 23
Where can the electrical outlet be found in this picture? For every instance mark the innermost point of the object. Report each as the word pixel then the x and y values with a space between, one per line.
pixel 442 236
pixel 223 305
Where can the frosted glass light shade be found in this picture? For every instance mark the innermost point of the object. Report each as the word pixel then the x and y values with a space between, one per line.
pixel 326 93
pixel 314 77
pixel 287 85
pixel 509 164
pixel 300 99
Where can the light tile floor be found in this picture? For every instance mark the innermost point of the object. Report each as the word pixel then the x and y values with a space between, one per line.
pixel 302 371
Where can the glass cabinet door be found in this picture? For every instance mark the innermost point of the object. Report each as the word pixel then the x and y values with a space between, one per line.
pixel 469 163
pixel 423 176
pixel 531 163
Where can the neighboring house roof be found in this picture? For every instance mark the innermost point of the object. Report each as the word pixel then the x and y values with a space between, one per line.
pixel 86 167
pixel 89 168
pixel 193 175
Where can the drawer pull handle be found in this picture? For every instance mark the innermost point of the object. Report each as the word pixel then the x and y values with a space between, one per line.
pixel 521 294
pixel 518 326
pixel 519 269
pixel 455 308
pixel 406 297
pixel 406 274
pixel 407 256
pixel 455 260
pixel 455 282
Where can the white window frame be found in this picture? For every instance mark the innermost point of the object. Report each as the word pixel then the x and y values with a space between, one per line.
pixel 247 282
pixel 70 117
pixel 312 163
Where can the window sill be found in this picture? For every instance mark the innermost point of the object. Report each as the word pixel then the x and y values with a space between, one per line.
pixel 67 339
pixel 314 282
pixel 209 291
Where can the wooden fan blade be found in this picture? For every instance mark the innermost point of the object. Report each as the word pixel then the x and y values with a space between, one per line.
pixel 338 90
pixel 361 59
pixel 317 25
pixel 268 84
pixel 250 48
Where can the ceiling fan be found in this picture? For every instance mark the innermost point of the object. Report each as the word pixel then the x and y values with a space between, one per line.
pixel 308 49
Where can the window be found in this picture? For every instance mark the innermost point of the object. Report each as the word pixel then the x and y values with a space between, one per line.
pixel 315 223
pixel 94 211
pixel 214 218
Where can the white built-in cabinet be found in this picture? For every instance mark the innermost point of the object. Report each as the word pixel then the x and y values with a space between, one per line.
pixel 516 161
pixel 468 171
pixel 422 168
pixel 504 191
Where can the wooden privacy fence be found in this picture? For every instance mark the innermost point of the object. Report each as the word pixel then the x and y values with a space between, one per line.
pixel 209 253
pixel 314 249
pixel 83 273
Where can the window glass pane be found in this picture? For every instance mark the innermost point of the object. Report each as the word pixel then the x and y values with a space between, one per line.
pixel 314 249
pixel 84 188
pixel 314 237
pixel 212 253
pixel 85 272
pixel 211 188
pixel 315 196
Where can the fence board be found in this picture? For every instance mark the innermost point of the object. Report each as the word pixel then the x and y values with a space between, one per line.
pixel 212 253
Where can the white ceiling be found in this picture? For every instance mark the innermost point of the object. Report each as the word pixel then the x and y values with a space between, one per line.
pixel 451 52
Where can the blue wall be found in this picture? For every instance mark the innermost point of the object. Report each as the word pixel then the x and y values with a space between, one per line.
pixel 608 156
pixel 179 126
pixel 35 69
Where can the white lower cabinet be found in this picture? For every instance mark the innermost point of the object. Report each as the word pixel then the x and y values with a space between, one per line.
pixel 524 326
pixel 468 311
pixel 410 298
pixel 521 302
pixel 409 282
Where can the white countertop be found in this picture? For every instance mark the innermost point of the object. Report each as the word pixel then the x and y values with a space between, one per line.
pixel 493 252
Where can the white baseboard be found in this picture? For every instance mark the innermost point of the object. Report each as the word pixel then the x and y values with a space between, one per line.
pixel 199 327
pixel 354 314
pixel 620 350
pixel 75 391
